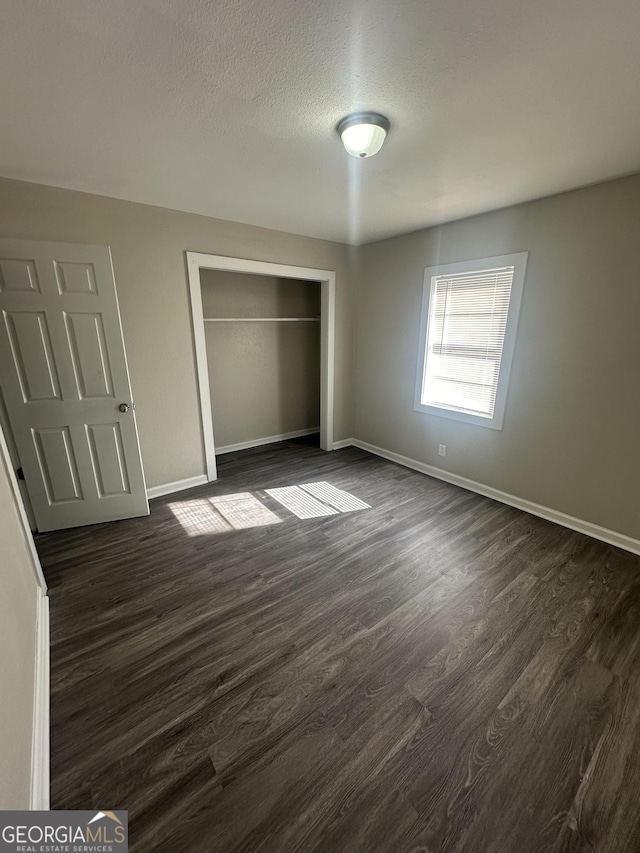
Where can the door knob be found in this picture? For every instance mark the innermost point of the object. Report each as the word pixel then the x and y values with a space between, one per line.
pixel 124 407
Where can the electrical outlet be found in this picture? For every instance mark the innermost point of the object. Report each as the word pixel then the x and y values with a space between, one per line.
pixel 442 450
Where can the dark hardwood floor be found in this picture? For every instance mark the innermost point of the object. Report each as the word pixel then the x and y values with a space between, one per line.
pixel 436 673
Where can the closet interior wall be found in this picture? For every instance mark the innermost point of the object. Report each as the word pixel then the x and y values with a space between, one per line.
pixel 263 353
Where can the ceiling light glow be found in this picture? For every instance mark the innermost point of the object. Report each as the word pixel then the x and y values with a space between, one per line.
pixel 362 134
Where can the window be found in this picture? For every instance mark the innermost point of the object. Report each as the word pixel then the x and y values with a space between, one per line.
pixel 467 337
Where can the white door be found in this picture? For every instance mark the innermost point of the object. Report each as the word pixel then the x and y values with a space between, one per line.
pixel 64 379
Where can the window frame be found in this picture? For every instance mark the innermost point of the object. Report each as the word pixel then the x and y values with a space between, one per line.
pixel 519 263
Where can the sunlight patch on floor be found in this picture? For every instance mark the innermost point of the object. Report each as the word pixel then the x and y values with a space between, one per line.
pixel 199 517
pixel 243 510
pixel 222 514
pixel 336 498
pixel 314 500
pixel 300 503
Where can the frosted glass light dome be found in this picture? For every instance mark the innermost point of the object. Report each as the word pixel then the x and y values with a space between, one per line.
pixel 362 134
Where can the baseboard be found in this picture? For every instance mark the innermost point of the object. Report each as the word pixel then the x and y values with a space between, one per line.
pixel 40 740
pixel 594 530
pixel 345 442
pixel 178 486
pixel 258 442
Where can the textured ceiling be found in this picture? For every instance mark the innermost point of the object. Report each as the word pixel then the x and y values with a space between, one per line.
pixel 228 108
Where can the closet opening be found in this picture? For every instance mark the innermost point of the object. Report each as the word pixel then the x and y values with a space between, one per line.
pixel 264 343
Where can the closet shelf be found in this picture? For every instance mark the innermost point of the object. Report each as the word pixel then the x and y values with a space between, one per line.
pixel 261 319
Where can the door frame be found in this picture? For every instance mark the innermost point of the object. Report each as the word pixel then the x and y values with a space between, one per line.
pixel 14 457
pixel 7 464
pixel 327 278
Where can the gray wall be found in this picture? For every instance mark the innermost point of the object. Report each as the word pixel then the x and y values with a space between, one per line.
pixel 264 377
pixel 570 436
pixel 18 613
pixel 148 246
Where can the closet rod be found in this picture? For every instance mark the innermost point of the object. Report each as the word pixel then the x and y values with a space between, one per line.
pixel 261 319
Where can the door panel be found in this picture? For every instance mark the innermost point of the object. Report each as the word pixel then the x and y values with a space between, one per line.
pixel 86 340
pixel 76 278
pixel 63 375
pixel 108 459
pixel 32 355
pixel 58 466
pixel 18 276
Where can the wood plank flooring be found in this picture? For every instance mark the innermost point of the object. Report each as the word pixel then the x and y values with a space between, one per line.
pixel 439 673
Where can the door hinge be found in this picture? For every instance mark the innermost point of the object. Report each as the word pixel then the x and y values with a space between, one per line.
pixel 20 474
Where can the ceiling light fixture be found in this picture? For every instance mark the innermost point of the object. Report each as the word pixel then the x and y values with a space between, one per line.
pixel 362 134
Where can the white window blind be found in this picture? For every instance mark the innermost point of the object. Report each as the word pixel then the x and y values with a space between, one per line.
pixel 467 322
